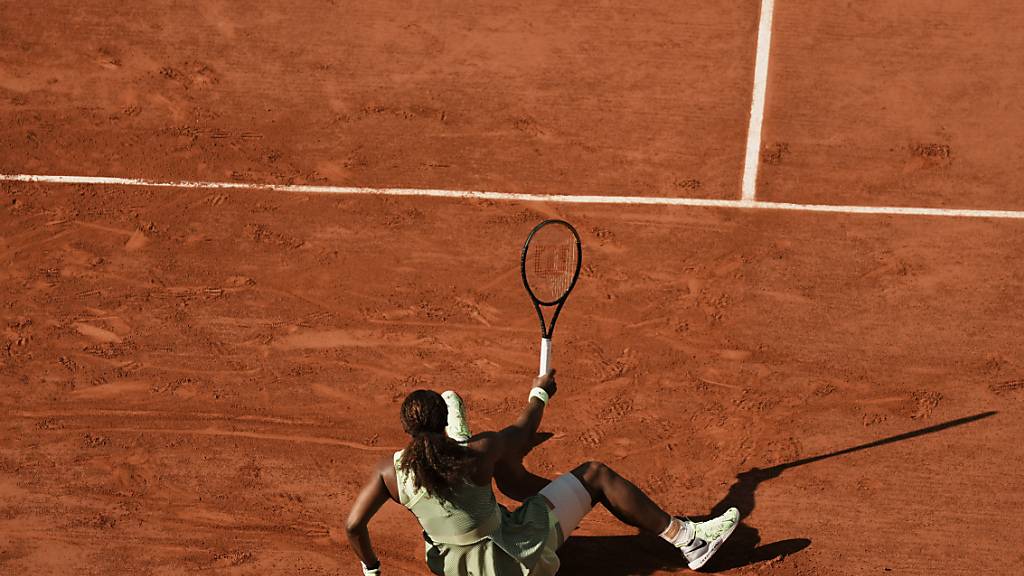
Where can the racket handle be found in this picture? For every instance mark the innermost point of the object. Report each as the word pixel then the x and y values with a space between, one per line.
pixel 545 355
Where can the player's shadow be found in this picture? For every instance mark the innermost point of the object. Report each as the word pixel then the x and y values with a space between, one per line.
pixel 643 554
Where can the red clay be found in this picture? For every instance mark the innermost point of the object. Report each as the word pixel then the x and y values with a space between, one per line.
pixel 909 103
pixel 522 97
pixel 199 381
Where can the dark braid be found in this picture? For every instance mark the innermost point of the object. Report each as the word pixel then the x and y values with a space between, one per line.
pixel 437 462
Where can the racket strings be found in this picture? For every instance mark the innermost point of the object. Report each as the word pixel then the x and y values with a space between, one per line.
pixel 552 260
pixel 554 268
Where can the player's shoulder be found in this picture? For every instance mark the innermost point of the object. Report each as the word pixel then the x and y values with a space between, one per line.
pixel 485 442
pixel 386 464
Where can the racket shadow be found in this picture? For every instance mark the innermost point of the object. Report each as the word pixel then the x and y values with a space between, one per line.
pixel 744 547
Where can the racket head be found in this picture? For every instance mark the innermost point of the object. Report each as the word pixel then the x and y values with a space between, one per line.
pixel 551 261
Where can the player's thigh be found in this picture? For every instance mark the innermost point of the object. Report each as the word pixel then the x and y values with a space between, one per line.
pixel 570 501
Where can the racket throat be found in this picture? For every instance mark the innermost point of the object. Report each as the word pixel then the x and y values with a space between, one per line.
pixel 545 355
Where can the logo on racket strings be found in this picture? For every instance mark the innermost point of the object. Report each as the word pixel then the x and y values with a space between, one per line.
pixel 552 260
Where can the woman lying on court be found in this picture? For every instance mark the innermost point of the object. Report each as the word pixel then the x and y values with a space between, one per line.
pixel 444 477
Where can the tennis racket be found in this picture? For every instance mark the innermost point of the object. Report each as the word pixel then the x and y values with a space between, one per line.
pixel 551 260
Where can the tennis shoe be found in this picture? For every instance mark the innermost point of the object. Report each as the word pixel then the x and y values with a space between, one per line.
pixel 708 537
pixel 457 427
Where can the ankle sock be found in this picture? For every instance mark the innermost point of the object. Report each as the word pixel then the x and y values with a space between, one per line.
pixel 679 533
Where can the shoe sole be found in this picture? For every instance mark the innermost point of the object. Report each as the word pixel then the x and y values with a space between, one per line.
pixel 454 402
pixel 713 547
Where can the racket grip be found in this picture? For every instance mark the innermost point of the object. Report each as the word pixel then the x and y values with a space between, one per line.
pixel 545 355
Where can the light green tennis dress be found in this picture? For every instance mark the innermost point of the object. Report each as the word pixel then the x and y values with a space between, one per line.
pixel 473 535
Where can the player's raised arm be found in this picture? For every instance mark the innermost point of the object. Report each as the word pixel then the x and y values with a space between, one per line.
pixel 517 438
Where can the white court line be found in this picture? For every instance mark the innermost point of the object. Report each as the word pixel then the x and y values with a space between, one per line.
pixel 508 196
pixel 764 44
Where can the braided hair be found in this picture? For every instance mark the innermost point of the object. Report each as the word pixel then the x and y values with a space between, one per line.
pixel 438 463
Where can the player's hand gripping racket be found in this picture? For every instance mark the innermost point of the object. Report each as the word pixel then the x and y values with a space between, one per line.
pixel 552 256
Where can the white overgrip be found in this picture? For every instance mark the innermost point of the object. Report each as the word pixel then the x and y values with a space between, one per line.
pixel 545 355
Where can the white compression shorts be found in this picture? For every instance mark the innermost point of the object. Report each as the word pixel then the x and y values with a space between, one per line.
pixel 570 500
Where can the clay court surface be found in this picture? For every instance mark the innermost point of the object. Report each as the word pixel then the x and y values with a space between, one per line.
pixel 198 381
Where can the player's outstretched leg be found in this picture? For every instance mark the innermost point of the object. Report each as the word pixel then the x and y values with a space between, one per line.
pixel 698 541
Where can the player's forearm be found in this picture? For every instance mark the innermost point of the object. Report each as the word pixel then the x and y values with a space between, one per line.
pixel 528 422
pixel 359 540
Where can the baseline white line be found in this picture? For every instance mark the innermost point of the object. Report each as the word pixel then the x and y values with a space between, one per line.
pixel 508 196
pixel 764 44
pixel 890 210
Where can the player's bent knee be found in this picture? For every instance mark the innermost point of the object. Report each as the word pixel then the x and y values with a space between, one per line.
pixel 591 475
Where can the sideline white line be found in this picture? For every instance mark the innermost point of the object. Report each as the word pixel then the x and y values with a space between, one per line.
pixel 764 44
pixel 508 196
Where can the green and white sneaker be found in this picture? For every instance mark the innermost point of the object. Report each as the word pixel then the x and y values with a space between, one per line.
pixel 457 428
pixel 708 537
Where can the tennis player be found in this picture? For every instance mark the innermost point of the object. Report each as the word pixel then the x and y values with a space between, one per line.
pixel 444 477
